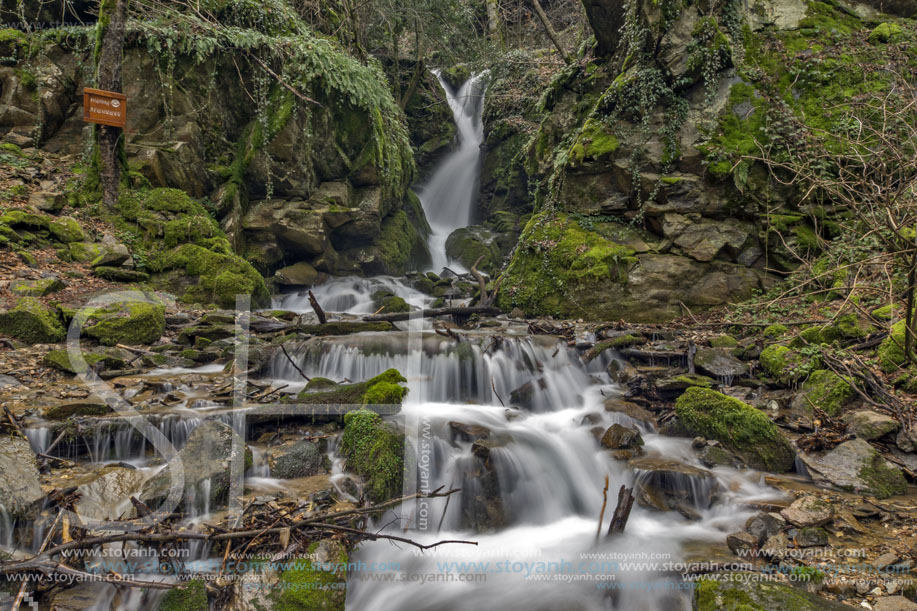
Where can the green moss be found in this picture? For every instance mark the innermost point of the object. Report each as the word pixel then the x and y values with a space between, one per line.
pixel 361 393
pixel 130 323
pixel 191 596
pixel 746 592
pixel 695 380
pixel 83 252
pixel 317 383
pixel 120 274
pixel 809 335
pixel 619 341
pixel 32 322
pixel 827 391
pixel 66 230
pixel 387 302
pixel 883 480
pixel 221 275
pixel 885 32
pixel 375 452
pixel 775 331
pixel 343 327
pixel 891 350
pixel 786 365
pixel 71 410
pixel 36 288
pixel 21 218
pixel 593 142
pixel 555 261
pixel 384 393
pixel 886 312
pixel 312 586
pixel 399 244
pixel 738 426
pixel 723 341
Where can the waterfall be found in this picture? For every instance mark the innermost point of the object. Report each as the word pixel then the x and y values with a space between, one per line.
pixel 448 196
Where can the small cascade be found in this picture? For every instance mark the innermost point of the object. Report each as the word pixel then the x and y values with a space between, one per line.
pixel 351 295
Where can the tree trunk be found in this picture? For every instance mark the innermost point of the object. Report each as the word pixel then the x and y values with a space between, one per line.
pixel 909 312
pixel 494 25
pixel 552 34
pixel 108 52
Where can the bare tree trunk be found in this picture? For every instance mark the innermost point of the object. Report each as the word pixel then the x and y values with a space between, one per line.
pixel 494 25
pixel 909 314
pixel 552 34
pixel 109 44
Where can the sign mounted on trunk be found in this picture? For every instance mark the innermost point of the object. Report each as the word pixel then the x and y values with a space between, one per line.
pixel 104 107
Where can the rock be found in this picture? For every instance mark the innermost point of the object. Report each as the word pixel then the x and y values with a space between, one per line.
pixel 617 405
pixel 606 19
pixel 468 244
pixel 112 256
pixel 468 432
pixel 775 546
pixel 120 274
pixel 750 434
pixel 106 494
pixel 525 395
pixel 808 511
pixel 299 274
pixel 717 456
pixel 129 322
pixel 37 288
pixel 20 485
pixel 619 437
pixel 746 591
pixel 894 603
pixel 670 485
pixel 299 459
pixel 764 525
pixel 825 390
pixel 857 466
pixel 675 385
pixel 811 537
pixel 707 240
pixel 741 542
pixel 206 457
pixel 906 440
pixel 719 363
pixel 8 381
pixel 869 425
pixel 66 230
pixel 32 322
pixel 885 560
pixel 620 371
pixel 84 252
pixel 375 451
pixel 90 406
pixel 47 201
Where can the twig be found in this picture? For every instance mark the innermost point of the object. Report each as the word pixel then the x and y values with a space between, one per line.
pixel 301 372
pixel 496 394
pixel 598 531
pixel 317 308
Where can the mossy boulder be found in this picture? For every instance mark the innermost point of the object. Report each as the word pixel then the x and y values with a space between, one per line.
pixel 891 350
pixel 346 327
pixel 746 593
pixel 856 466
pixel 383 389
pixel 867 424
pixel 786 365
pixel 60 359
pixel 190 596
pixel 375 451
pixel 318 585
pixel 825 390
pixel 84 252
pixel 775 331
pixel 130 322
pixel 742 429
pixel 120 274
pixel 885 32
pixel 389 303
pixel 468 244
pixel 66 230
pixel 33 322
pixel 37 288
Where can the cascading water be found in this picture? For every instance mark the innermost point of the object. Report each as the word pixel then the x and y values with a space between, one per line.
pixel 448 196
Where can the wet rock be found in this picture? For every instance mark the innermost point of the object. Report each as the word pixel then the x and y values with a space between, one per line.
pixel 764 525
pixel 299 274
pixel 119 274
pixel 468 432
pixel 80 596
pixel 894 603
pixel 588 419
pixel 106 494
pixel 20 488
pixel 675 385
pixel 90 406
pixel 869 425
pixel 741 542
pixel 811 537
pixel 670 485
pixel 621 372
pixel 524 396
pixel 885 560
pixel 32 322
pixel 750 434
pixel 856 466
pixel 717 456
pixel 37 288
pixel 97 360
pixel 205 459
pixel 719 363
pixel 808 511
pixel 8 381
pixel 346 327
pixel 619 437
pixel 618 405
pixel 469 244
pixel 299 459
pixel 130 322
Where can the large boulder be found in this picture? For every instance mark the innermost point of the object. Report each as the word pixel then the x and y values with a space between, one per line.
pixel 130 322
pixel 31 321
pixel 205 461
pixel 856 466
pixel 669 485
pixel 298 459
pixel 20 486
pixel 468 244
pixel 867 424
pixel 742 429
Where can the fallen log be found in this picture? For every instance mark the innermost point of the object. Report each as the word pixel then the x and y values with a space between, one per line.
pixel 433 313
pixel 622 510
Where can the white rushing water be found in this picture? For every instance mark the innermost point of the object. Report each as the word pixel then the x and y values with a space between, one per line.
pixel 449 194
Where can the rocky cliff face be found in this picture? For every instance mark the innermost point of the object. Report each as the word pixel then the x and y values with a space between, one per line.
pixel 646 200
pixel 318 176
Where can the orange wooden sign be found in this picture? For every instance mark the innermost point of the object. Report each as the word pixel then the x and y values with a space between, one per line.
pixel 104 107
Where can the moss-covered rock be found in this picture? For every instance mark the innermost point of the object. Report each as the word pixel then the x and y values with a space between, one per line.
pixel 375 451
pixel 825 390
pixel 72 409
pixel 746 593
pixel 345 327
pixel 60 359
pixel 120 274
pixel 382 389
pixel 742 429
pixel 130 322
pixel 786 365
pixel 37 288
pixel 318 585
pixel 723 341
pixel 775 331
pixel 891 350
pixel 389 303
pixel 885 32
pixel 191 596
pixel 66 230
pixel 84 252
pixel 470 244
pixel 31 321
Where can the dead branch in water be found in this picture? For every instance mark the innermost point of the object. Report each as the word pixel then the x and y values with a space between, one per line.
pixel 622 510
pixel 598 531
pixel 301 372
pixel 317 308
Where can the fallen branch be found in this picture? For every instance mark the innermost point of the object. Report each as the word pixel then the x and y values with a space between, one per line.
pixel 598 531
pixel 434 313
pixel 293 363
pixel 317 308
pixel 622 510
